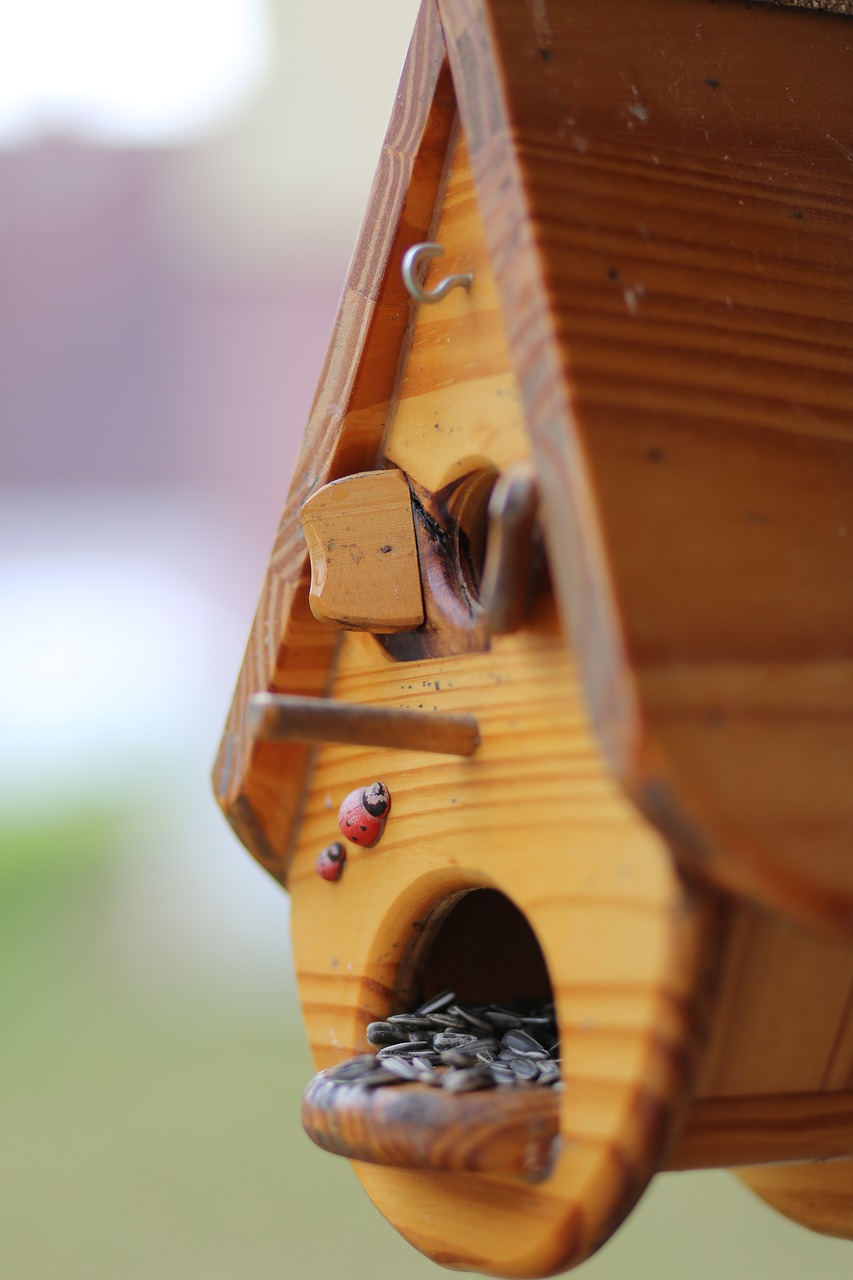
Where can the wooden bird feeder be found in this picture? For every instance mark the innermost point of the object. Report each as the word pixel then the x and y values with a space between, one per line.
pixel 581 533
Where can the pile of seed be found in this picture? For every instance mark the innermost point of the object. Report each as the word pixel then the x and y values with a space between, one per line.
pixel 459 1047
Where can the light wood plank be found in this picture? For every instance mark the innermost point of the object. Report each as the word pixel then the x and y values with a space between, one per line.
pixel 629 948
pixel 668 216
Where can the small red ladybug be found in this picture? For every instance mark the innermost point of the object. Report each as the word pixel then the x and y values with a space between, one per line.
pixel 330 863
pixel 362 815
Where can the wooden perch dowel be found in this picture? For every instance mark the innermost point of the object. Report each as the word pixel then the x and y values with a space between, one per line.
pixel 282 717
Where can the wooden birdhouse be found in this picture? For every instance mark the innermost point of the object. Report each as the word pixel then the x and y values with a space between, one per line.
pixel 567 567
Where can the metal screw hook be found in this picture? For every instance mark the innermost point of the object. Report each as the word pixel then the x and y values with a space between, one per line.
pixel 410 262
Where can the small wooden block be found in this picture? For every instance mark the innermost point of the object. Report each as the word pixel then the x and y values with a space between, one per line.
pixel 364 559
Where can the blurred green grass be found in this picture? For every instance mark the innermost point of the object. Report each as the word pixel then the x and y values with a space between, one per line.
pixel 146 1133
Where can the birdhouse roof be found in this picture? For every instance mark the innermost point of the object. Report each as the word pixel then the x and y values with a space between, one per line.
pixel 666 198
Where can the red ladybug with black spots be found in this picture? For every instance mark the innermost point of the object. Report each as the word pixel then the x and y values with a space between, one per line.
pixel 330 864
pixel 362 815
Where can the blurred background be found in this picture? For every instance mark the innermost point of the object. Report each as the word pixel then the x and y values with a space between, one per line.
pixel 181 184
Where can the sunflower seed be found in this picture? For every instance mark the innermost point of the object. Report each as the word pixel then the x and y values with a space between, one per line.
pixel 407 1047
pixel 427 1073
pixel 549 1072
pixel 472 1017
pixel 524 1068
pixel 466 1079
pixel 502 1018
pixel 429 1056
pixel 435 1004
pixel 352 1068
pixel 378 1078
pixel 458 1058
pixel 450 1020
pixel 523 1042
pixel 380 1033
pixel 502 1073
pixel 460 1046
pixel 452 1039
pixel 400 1067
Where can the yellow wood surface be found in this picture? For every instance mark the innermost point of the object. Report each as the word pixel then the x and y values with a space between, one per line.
pixel 457 406
pixel 783 1020
pixel 667 203
pixel 724 710
pixel 818 1196
pixel 364 558
pixel 512 1131
pixel 759 1129
pixel 628 947
pixel 781 1024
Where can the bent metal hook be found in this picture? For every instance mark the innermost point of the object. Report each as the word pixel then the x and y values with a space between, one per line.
pixel 410 263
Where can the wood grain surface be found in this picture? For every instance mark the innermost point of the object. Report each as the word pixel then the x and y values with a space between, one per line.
pixel 360 534
pixel 630 951
pixel 657 218
pixel 783 1017
pixel 286 717
pixel 763 1129
pixel 514 1131
pixel 417 1127
pixel 818 1196
pixel 259 784
pixel 668 206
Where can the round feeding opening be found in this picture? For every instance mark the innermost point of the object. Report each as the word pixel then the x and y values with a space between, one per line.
pixel 475 1001
pixel 482 948
pixel 464 1075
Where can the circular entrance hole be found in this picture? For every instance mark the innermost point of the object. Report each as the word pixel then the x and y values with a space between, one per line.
pixel 478 944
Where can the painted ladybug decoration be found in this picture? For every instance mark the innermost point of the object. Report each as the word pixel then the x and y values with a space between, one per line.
pixel 362 815
pixel 330 863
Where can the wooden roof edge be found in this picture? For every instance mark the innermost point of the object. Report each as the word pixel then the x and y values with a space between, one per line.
pixel 578 560
pixel 707 836
pixel 695 828
pixel 259 786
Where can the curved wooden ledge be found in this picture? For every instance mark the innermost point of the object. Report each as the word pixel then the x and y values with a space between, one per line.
pixel 414 1126
pixel 516 1131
